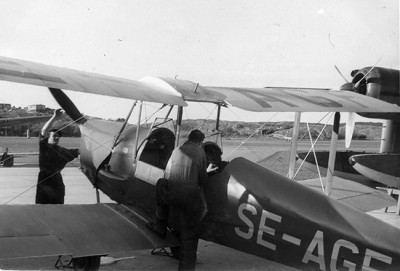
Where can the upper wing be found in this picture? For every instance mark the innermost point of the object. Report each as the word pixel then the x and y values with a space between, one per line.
pixel 174 91
pixel 26 72
pixel 77 230
pixel 302 100
pixel 280 99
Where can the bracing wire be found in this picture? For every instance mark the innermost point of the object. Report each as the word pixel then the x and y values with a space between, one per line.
pixel 256 131
pixel 315 155
pixel 151 115
pixel 29 188
pixel 312 146
pixel 99 146
pixel 61 128
pixel 238 117
pixel 208 117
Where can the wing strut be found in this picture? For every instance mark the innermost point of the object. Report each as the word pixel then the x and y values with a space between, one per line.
pixel 178 125
pixel 137 131
pixel 293 148
pixel 332 154
pixel 350 124
pixel 169 111
pixel 217 124
pixel 123 126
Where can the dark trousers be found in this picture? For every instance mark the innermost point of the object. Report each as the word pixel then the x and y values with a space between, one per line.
pixel 50 188
pixel 189 237
pixel 180 207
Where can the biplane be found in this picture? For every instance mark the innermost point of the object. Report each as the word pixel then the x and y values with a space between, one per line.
pixel 251 208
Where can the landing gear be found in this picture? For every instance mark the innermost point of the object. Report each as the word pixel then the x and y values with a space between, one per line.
pixel 86 263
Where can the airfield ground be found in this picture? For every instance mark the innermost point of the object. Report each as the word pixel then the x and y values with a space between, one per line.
pixel 17 186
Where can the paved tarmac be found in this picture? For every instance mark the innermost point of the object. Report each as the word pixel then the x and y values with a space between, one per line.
pixel 17 186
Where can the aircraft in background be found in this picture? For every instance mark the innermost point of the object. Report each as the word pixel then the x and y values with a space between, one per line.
pixel 372 169
pixel 251 208
pixel 7 159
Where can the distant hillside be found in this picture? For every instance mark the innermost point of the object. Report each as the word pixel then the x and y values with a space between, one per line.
pixel 229 129
pixel 237 129
pixel 69 128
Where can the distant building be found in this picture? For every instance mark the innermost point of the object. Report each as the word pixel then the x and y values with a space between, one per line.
pixel 36 108
pixel 5 107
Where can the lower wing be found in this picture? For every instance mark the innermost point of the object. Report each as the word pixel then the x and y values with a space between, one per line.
pixel 354 194
pixel 77 230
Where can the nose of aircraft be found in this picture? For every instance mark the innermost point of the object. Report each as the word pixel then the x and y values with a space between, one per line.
pixel 347 86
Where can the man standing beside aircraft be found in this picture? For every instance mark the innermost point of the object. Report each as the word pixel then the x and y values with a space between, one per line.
pixel 214 157
pixel 52 159
pixel 186 172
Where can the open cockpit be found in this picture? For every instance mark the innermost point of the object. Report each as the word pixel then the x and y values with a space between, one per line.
pixel 154 152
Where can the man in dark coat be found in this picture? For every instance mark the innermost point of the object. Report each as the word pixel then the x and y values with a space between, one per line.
pixel 186 173
pixel 52 159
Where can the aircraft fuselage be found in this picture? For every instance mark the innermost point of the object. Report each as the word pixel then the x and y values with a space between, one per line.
pixel 250 207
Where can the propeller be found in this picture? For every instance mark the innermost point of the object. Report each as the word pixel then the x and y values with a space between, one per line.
pixel 68 106
pixel 350 124
pixel 351 119
pixel 357 84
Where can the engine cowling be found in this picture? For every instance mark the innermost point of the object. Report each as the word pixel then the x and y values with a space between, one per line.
pixel 380 83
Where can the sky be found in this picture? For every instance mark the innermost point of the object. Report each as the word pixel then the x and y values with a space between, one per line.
pixel 221 43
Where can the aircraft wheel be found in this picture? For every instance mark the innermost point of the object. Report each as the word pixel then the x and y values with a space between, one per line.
pixel 86 263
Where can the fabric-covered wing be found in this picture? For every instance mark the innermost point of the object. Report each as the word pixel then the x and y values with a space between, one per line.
pixel 302 100
pixel 174 91
pixel 32 73
pixel 354 194
pixel 281 99
pixel 190 91
pixel 77 230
